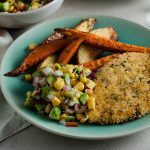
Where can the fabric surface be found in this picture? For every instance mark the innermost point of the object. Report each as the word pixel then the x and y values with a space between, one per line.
pixel 10 121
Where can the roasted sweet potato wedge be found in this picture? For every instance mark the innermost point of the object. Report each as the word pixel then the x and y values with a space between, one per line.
pixel 96 64
pixel 69 51
pixel 101 42
pixel 38 54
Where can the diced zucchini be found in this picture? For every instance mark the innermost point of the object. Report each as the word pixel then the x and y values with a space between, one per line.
pixel 70 118
pixel 36 74
pixel 45 91
pixel 27 102
pixel 90 84
pixel 67 79
pixel 71 93
pixel 55 113
pixel 40 108
pixel 51 79
pixel 83 98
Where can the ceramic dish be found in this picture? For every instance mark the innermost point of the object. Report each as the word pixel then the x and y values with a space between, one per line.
pixel 14 88
pixel 26 18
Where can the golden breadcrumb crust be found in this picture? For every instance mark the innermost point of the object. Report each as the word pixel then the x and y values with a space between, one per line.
pixel 122 90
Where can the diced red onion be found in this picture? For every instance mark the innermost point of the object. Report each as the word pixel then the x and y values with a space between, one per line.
pixel 36 81
pixel 63 122
pixel 91 75
pixel 69 111
pixel 88 73
pixel 66 101
pixel 36 92
pixel 58 73
pixel 71 103
pixel 67 81
pixel 82 72
pixel 81 110
pixel 66 88
pixel 77 107
pixel 42 81
pixel 47 70
pixel 37 97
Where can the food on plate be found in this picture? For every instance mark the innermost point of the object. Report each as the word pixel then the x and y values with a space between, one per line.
pixel 53 37
pixel 38 54
pixel 49 60
pixel 66 55
pixel 101 42
pixel 122 91
pixel 88 53
pixel 95 89
pixel 85 26
pixel 63 92
pixel 96 64
pixel 14 6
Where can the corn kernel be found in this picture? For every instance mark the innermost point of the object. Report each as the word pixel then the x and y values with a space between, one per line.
pixel 56 101
pixel 73 82
pixel 57 66
pixel 32 46
pixel 11 8
pixel 83 79
pixel 89 91
pixel 28 77
pixel 79 86
pixel 78 95
pixel 91 103
pixel 79 116
pixel 84 119
pixel 63 116
pixel 72 75
pixel 59 84
pixel 35 6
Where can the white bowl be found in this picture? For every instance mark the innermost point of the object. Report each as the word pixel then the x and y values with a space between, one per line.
pixel 26 18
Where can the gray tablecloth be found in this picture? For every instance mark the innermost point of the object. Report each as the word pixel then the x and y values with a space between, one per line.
pixel 37 139
pixel 10 121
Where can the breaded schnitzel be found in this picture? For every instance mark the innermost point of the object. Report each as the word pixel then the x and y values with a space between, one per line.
pixel 122 92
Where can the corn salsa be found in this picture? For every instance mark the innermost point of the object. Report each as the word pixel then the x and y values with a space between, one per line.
pixel 62 92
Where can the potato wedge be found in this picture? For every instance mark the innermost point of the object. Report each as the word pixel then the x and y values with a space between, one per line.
pixel 46 62
pixel 86 25
pixel 87 53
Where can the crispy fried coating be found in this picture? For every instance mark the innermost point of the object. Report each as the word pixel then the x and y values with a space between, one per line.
pixel 122 90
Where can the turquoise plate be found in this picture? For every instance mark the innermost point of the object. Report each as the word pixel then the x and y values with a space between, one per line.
pixel 14 88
